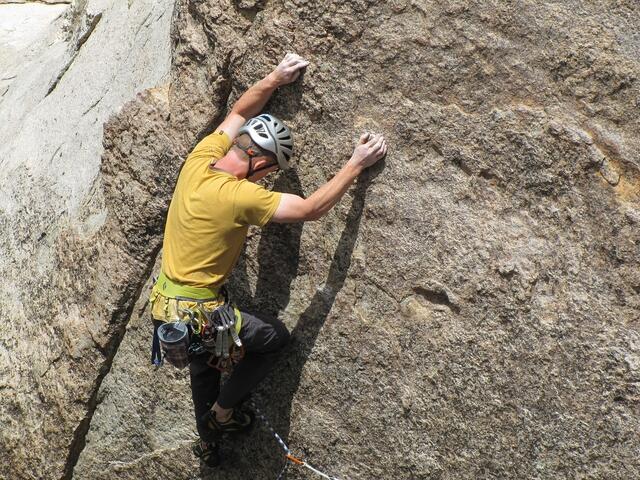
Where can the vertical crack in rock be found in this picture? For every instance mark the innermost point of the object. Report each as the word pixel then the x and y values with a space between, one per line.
pixel 138 116
pixel 93 23
pixel 93 105
pixel 55 153
pixel 121 319
pixel 227 89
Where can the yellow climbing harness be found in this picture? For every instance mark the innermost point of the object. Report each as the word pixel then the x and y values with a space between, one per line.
pixel 169 298
pixel 214 324
pixel 167 287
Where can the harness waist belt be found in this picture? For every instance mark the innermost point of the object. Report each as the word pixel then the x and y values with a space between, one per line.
pixel 170 289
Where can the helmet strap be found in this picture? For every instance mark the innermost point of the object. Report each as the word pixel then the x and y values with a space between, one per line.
pixel 250 171
pixel 253 153
pixel 250 153
pixel 261 168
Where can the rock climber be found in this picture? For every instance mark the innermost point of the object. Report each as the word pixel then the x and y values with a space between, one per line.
pixel 214 202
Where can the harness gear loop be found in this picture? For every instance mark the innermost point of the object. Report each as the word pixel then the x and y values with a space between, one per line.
pixel 211 328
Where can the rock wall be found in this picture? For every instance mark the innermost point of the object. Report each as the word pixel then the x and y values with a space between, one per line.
pixel 65 69
pixel 469 310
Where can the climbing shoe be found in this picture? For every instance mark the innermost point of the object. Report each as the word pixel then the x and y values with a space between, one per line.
pixel 208 452
pixel 241 420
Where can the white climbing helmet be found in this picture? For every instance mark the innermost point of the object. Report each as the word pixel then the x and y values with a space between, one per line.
pixel 271 134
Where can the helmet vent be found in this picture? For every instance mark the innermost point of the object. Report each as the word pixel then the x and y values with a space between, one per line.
pixel 272 135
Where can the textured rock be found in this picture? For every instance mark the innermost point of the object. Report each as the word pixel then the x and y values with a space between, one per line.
pixel 36 2
pixel 63 298
pixel 22 31
pixel 473 310
pixel 469 310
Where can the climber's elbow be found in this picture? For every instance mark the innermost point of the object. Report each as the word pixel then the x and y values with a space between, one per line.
pixel 293 208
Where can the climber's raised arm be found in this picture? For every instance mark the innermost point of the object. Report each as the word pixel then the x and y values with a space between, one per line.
pixel 293 208
pixel 253 100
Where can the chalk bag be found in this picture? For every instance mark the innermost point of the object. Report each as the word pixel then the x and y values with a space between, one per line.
pixel 174 342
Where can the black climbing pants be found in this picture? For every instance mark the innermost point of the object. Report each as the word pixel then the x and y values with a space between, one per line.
pixel 262 340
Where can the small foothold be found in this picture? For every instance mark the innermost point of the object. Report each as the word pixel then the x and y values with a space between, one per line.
pixel 609 174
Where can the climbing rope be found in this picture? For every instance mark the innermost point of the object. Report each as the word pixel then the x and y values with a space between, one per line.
pixel 283 472
pixel 288 455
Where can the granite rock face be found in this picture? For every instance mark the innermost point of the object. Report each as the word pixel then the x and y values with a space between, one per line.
pixel 471 309
pixel 65 69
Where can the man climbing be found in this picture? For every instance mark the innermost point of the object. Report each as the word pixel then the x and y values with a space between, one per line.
pixel 214 202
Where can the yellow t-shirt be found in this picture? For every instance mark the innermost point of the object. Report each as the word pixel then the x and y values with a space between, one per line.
pixel 209 217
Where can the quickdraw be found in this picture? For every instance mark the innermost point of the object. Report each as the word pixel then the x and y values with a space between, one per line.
pixel 218 333
pixel 288 455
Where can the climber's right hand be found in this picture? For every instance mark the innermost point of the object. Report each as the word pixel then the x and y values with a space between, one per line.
pixel 288 70
pixel 369 150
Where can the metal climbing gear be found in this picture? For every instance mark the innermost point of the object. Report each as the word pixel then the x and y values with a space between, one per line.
pixel 198 328
pixel 220 336
pixel 215 332
pixel 288 455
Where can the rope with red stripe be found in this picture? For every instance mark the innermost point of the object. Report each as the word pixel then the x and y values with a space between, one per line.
pixel 288 455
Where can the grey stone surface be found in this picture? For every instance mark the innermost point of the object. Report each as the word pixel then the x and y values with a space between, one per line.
pixel 59 302
pixel 37 3
pixel 469 310
pixel 25 31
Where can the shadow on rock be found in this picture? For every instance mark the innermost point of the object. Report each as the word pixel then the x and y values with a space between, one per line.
pixel 279 255
pixel 278 264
